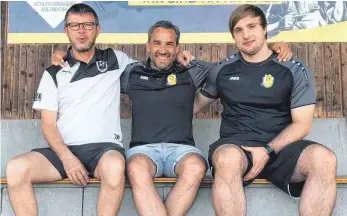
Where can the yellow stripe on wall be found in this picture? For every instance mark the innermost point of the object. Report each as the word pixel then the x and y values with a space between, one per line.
pixel 329 33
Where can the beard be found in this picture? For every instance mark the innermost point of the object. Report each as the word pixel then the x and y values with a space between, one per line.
pixel 155 63
pixel 253 50
pixel 84 48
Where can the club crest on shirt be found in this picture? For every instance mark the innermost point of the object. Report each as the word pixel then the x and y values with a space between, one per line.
pixel 102 66
pixel 171 80
pixel 268 81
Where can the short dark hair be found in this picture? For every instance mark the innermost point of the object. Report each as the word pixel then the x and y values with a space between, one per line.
pixel 244 11
pixel 81 9
pixel 166 25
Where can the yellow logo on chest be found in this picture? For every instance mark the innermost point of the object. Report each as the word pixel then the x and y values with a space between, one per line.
pixel 171 80
pixel 268 81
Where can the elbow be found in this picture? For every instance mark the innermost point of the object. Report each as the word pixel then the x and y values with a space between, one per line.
pixel 47 127
pixel 307 128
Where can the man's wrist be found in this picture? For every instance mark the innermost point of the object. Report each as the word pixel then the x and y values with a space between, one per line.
pixel 64 154
pixel 270 151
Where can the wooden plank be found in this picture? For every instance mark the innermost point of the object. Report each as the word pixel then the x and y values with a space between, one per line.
pixel 129 49
pixel 3 30
pixel 316 65
pixel 140 52
pixel 190 48
pixel 333 75
pixel 339 180
pixel 3 53
pixel 344 77
pixel 300 51
pixel 44 52
pixel 9 108
pixel 231 49
pixel 203 52
pixel 27 69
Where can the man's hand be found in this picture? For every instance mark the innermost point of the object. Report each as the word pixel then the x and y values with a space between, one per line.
pixel 184 57
pixel 283 50
pixel 260 158
pixel 58 58
pixel 75 170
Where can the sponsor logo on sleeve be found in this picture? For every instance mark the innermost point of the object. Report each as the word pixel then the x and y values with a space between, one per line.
pixel 38 97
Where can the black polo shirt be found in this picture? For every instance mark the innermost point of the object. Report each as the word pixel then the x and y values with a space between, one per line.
pixel 258 97
pixel 162 101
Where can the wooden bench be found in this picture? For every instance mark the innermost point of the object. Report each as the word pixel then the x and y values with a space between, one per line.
pixel 339 180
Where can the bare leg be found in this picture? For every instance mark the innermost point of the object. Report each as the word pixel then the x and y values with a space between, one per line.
pixel 141 171
pixel 190 170
pixel 110 170
pixel 21 172
pixel 316 164
pixel 228 195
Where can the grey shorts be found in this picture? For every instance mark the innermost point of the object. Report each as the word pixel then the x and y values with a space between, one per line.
pixel 165 156
pixel 88 154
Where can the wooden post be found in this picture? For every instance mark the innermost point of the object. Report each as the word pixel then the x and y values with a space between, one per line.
pixel 3 33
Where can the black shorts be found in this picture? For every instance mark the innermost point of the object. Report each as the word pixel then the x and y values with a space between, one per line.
pixel 278 170
pixel 88 154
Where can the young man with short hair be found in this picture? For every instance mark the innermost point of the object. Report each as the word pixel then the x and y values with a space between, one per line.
pixel 268 110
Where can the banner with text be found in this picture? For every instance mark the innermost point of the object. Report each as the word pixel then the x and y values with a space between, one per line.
pixel 199 21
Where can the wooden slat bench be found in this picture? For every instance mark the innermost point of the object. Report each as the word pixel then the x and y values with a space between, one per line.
pixel 339 180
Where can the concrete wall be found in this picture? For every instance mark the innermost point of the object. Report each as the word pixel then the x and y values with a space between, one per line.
pixel 19 136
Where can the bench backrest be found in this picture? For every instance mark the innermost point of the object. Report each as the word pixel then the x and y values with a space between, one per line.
pixel 19 136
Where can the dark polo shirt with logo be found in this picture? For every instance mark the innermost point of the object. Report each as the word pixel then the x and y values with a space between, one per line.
pixel 258 97
pixel 162 101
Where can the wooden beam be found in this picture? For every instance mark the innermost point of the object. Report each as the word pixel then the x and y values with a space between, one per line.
pixel 3 43
pixel 339 180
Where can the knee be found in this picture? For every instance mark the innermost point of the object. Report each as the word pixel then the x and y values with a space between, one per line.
pixel 322 159
pixel 228 157
pixel 112 168
pixel 17 170
pixel 194 165
pixel 138 166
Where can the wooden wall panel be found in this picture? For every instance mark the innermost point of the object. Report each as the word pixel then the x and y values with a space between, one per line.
pixel 10 78
pixel 316 64
pixel 333 86
pixel 24 65
pixel 27 69
pixel 344 77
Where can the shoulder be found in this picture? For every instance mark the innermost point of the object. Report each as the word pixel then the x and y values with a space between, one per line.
pixel 133 65
pixel 293 65
pixel 53 71
pixel 200 64
pixel 229 61
pixel 107 54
